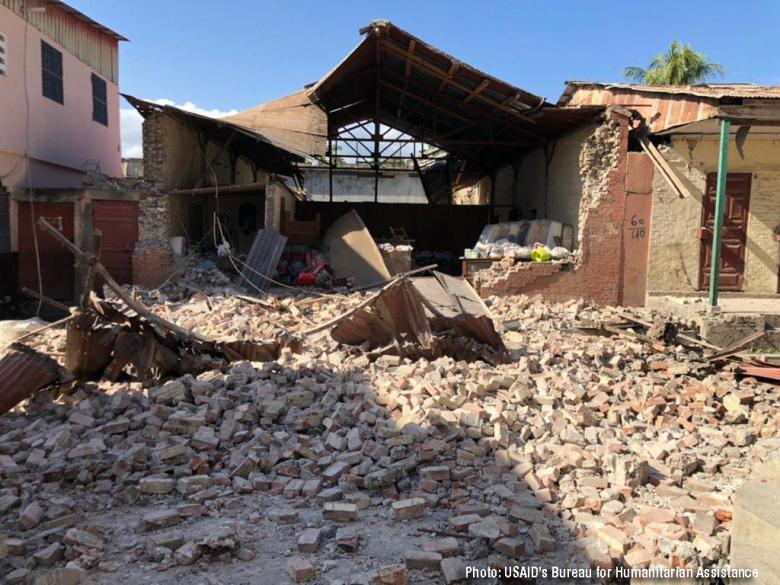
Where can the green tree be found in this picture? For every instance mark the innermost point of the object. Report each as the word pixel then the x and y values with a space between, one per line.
pixel 679 65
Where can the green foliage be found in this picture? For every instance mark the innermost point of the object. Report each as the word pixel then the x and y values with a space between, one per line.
pixel 679 65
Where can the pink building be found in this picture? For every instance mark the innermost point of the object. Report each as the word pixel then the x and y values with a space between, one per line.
pixel 59 110
pixel 59 96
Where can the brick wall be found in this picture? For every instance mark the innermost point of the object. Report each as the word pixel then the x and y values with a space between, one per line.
pixel 152 255
pixel 155 153
pixel 596 275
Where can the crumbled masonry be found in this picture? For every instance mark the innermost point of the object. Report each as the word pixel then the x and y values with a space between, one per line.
pixel 622 448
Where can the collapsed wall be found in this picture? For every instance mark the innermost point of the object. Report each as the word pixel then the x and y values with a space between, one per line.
pixel 595 272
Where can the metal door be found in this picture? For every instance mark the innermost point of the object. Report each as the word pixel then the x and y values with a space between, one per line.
pixel 57 263
pixel 118 223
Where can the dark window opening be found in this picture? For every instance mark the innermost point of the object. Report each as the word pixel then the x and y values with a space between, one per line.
pixel 3 62
pixel 51 61
pixel 99 100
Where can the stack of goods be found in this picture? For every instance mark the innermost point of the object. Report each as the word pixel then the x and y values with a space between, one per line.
pixel 539 240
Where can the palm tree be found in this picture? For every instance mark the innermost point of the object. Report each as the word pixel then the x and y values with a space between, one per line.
pixel 680 65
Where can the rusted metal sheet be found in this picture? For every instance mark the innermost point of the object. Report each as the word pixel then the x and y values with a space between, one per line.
pixel 363 326
pixel 292 122
pixel 89 344
pixel 57 265
pixel 118 224
pixel 400 308
pixel 403 318
pixel 764 372
pixel 660 109
pixel 23 371
pixel 455 305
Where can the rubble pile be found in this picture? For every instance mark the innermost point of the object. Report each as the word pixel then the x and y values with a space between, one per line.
pixel 323 466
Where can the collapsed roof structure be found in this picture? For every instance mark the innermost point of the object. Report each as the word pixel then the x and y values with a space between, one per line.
pixel 400 90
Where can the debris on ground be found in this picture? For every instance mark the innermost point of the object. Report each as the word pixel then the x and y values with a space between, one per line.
pixel 388 436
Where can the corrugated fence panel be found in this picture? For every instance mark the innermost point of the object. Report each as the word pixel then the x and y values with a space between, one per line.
pixel 263 258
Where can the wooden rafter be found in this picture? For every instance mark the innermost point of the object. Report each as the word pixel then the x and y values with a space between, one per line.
pixel 407 72
pixel 436 72
pixel 476 90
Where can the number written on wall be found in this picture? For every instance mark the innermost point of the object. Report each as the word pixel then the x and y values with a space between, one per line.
pixel 637 228
pixel 56 222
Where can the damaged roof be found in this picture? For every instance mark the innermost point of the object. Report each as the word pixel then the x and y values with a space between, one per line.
pixel 717 91
pixel 271 150
pixel 415 88
pixel 292 123
pixel 664 107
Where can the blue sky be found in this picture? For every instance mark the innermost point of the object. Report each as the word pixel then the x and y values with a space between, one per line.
pixel 223 56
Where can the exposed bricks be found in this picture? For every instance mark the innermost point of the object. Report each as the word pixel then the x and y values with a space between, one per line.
pixel 152 255
pixel 152 266
pixel 596 277
pixel 155 153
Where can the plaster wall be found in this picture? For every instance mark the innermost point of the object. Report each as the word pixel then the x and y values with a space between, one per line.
pixel 553 192
pixel 62 140
pixel 674 247
pixel 394 187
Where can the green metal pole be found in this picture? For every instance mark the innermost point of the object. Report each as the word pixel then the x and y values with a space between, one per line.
pixel 720 204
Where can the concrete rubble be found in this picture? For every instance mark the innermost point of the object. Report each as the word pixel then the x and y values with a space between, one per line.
pixel 323 466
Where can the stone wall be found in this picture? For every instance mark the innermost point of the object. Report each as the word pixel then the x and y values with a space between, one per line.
pixel 674 246
pixel 596 274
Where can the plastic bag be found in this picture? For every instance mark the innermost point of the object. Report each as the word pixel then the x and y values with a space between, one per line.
pixel 541 255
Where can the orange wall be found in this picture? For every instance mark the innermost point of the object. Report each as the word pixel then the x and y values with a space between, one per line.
pixel 63 139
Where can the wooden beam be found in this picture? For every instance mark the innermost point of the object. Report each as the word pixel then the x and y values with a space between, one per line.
pixel 131 302
pixel 477 90
pixel 425 101
pixel 664 168
pixel 435 71
pixel 755 114
pixel 407 73
pixel 447 78
pixel 479 116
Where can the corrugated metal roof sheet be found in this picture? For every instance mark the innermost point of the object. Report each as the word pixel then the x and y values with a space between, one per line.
pixel 293 123
pixel 263 258
pixel 708 90
pixel 22 372
pixel 664 107
pixel 272 154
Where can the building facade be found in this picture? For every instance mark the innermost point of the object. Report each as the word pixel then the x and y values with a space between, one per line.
pixel 60 106
pixel 59 136
pixel 682 127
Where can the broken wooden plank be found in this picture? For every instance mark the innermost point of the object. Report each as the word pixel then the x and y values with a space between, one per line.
pixel 134 304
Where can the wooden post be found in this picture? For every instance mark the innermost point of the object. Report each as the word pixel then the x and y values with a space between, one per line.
pixel 89 279
pixel 720 204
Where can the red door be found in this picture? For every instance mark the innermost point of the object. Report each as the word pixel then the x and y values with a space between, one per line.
pixel 57 263
pixel 118 223
pixel 734 234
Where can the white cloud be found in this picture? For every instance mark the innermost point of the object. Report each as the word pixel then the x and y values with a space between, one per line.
pixel 130 122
